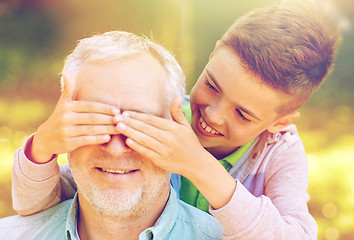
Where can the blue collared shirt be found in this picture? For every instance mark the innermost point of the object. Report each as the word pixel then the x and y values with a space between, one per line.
pixel 178 221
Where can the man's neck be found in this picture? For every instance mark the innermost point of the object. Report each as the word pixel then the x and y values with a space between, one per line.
pixel 92 224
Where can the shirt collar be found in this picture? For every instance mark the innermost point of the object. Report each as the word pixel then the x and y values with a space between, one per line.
pixel 166 221
pixel 72 219
pixel 160 230
pixel 234 157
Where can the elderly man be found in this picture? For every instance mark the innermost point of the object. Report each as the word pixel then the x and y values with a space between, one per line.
pixel 121 195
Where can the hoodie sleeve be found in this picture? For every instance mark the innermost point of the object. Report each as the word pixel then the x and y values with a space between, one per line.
pixel 36 187
pixel 281 212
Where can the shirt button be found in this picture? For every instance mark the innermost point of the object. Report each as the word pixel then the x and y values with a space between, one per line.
pixel 149 234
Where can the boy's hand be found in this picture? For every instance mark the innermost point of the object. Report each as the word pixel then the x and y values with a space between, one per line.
pixel 71 125
pixel 171 145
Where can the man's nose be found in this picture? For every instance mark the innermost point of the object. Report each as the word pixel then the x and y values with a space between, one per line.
pixel 116 146
pixel 216 113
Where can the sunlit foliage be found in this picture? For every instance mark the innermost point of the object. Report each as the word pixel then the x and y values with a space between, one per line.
pixel 36 35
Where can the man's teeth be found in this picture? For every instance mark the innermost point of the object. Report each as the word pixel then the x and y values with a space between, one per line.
pixel 206 127
pixel 115 171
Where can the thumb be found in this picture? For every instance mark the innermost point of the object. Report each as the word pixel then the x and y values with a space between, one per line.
pixel 177 112
pixel 68 88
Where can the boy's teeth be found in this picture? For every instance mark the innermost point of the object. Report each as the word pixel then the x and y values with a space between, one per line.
pixel 206 127
pixel 114 171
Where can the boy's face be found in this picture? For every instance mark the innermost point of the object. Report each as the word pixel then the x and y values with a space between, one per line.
pixel 230 106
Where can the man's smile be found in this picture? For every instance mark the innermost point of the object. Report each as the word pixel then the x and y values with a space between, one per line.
pixel 116 174
pixel 115 171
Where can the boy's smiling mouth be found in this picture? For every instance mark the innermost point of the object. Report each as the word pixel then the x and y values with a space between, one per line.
pixel 205 129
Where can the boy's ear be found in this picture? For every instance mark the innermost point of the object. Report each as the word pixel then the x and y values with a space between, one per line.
pixel 283 122
pixel 217 44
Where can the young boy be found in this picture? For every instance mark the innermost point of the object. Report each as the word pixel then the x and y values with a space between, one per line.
pixel 262 70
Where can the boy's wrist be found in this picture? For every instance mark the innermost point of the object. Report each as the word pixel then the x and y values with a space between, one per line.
pixel 214 182
pixel 200 175
pixel 34 154
pixel 197 172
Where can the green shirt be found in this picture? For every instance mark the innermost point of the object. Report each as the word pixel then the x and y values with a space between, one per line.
pixel 188 192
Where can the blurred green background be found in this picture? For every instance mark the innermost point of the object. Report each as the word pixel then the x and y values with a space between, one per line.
pixel 36 35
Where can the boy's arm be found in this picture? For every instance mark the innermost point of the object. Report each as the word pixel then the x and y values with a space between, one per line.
pixel 36 187
pixel 278 214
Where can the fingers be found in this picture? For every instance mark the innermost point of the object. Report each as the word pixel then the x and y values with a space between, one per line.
pixel 142 150
pixel 80 141
pixel 88 130
pixel 159 122
pixel 68 88
pixel 87 113
pixel 94 107
pixel 150 137
pixel 142 131
pixel 177 112
pixel 88 119
pixel 145 120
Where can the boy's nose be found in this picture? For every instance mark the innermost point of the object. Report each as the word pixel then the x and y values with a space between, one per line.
pixel 116 146
pixel 215 114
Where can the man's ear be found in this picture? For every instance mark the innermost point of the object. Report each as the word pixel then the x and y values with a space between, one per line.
pixel 217 44
pixel 283 122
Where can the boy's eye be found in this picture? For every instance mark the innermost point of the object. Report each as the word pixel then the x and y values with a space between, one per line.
pixel 239 113
pixel 209 85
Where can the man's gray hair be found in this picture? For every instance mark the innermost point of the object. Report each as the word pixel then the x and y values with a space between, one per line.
pixel 115 45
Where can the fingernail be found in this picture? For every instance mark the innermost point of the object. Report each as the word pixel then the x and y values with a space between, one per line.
pixel 121 126
pixel 115 111
pixel 118 118
pixel 126 114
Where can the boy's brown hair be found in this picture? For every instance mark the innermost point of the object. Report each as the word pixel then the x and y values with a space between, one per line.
pixel 290 49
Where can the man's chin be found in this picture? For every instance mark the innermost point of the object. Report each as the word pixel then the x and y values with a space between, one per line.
pixel 121 204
